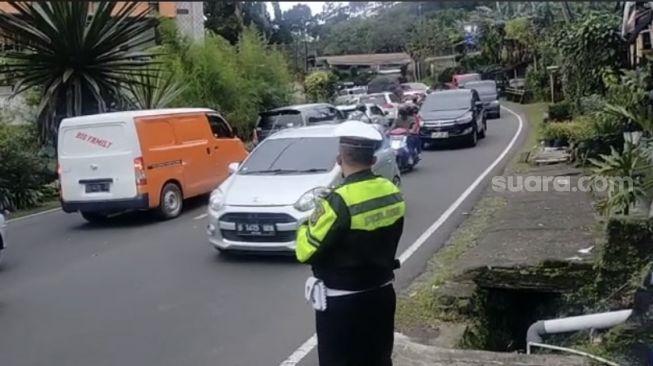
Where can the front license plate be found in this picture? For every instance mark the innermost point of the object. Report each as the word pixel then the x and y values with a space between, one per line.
pixel 255 229
pixel 439 135
pixel 97 187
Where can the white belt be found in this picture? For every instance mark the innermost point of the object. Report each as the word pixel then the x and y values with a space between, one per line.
pixel 334 293
pixel 316 293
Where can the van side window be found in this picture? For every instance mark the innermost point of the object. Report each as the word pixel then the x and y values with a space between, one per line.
pixel 219 127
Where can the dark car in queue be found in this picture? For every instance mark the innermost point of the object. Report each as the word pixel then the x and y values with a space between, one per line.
pixel 487 91
pixel 292 116
pixel 456 114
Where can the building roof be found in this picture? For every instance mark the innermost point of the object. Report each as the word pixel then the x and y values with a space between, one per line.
pixel 372 59
pixel 299 107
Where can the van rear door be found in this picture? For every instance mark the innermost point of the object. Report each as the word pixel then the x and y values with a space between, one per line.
pixel 96 161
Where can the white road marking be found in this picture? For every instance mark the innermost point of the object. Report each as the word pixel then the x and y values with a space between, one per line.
pixel 34 215
pixel 199 217
pixel 303 350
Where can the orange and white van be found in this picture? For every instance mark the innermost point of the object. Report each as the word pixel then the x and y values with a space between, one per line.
pixel 141 160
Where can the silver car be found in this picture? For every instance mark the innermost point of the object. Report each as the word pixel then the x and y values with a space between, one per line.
pixel 370 113
pixel 261 205
pixel 487 91
pixel 3 235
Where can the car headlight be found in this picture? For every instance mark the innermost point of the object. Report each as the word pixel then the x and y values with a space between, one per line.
pixel 466 118
pixel 216 202
pixel 307 201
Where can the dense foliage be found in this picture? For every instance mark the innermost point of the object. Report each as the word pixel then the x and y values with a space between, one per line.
pixel 24 172
pixel 589 47
pixel 238 80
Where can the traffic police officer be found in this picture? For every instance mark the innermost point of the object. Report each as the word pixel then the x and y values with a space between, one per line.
pixel 351 241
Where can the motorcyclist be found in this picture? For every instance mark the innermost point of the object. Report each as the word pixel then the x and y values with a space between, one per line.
pixel 406 120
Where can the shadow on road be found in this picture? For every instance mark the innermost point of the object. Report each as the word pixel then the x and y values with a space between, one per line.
pixel 247 257
pixel 142 218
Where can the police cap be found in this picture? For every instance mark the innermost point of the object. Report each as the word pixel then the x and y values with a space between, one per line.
pixel 358 134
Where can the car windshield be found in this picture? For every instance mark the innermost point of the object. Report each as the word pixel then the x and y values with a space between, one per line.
pixel 446 102
pixel 283 119
pixel 292 156
pixel 374 99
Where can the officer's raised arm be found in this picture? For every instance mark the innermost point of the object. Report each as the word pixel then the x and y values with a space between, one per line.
pixel 322 230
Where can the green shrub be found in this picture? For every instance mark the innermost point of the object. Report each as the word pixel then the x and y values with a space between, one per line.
pixel 320 86
pixel 239 81
pixel 560 111
pixel 537 82
pixel 24 172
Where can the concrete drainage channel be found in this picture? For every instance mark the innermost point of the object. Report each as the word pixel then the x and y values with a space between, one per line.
pixel 504 309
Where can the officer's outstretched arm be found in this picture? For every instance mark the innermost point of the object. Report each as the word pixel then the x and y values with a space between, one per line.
pixel 323 229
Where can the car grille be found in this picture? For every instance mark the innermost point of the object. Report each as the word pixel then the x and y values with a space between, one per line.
pixel 258 218
pixel 280 237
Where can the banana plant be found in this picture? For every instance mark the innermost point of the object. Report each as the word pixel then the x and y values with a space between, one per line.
pixel 627 175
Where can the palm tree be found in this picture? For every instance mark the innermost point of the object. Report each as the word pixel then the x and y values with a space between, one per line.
pixel 78 54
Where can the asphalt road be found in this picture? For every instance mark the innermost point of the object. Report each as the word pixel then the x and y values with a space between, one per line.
pixel 143 292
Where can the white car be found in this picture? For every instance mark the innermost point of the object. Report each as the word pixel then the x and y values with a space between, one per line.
pixel 3 235
pixel 261 205
pixel 389 102
pixel 370 113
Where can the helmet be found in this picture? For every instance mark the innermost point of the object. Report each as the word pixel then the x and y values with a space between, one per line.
pixel 405 110
pixel 358 130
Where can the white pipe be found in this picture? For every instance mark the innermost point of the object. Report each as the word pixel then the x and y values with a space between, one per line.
pixel 592 321
pixel 569 350
pixel 575 323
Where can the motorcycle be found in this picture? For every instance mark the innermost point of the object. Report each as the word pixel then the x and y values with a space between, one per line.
pixel 407 156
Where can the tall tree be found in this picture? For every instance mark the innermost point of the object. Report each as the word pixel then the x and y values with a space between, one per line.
pixel 78 57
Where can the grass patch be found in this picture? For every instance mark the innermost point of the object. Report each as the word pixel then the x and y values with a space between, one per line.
pixel 417 307
pixel 534 114
pixel 47 205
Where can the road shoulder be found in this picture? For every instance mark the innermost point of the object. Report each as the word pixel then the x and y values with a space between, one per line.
pixel 509 238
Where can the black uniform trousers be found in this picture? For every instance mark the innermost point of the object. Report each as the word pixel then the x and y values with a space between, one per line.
pixel 357 329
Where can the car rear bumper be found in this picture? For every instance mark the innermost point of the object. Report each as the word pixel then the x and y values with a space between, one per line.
pixel 141 202
pixel 453 132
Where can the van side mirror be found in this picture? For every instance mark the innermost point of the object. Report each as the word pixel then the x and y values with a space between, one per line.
pixel 233 167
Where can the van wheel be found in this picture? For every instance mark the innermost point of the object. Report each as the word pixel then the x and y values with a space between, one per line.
pixel 397 181
pixel 94 217
pixel 171 201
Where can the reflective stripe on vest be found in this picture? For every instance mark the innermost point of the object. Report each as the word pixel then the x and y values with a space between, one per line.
pixel 373 203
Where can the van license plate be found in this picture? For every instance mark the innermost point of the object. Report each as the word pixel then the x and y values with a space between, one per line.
pixel 97 187
pixel 256 229
pixel 439 135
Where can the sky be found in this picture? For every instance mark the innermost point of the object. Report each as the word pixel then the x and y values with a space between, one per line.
pixel 316 6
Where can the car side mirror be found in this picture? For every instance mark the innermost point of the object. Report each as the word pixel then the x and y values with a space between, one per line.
pixel 233 167
pixel 6 214
pixel 385 113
